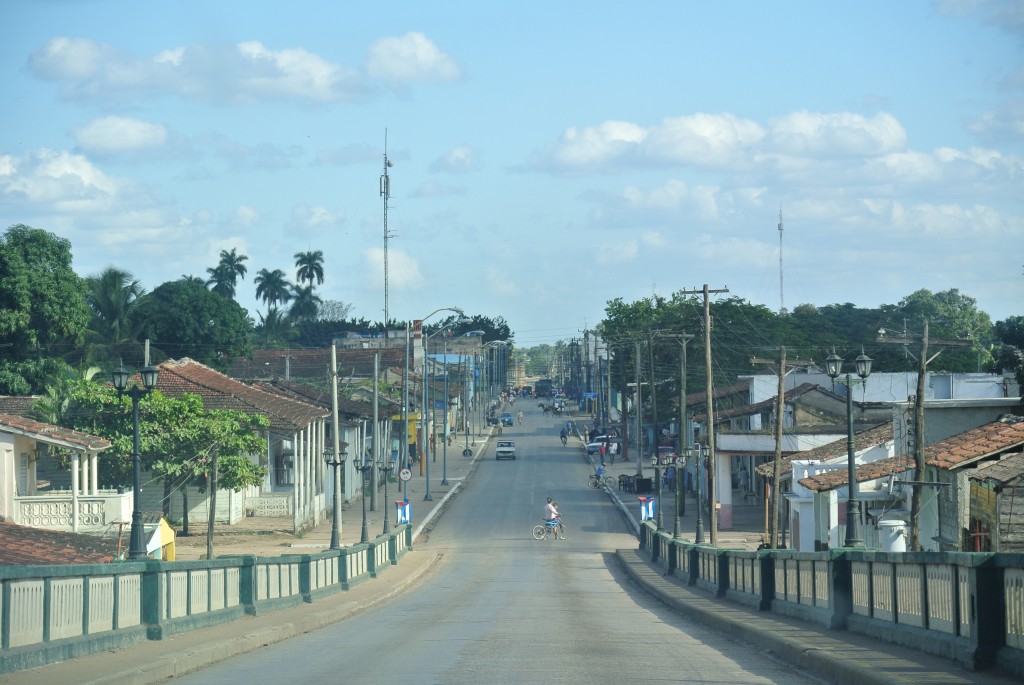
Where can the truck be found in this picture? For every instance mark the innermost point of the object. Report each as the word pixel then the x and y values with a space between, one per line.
pixel 505 449
pixel 542 388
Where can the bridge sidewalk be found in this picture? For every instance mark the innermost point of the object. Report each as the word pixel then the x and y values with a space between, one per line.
pixel 839 656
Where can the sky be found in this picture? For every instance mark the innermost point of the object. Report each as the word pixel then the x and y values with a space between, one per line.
pixel 547 157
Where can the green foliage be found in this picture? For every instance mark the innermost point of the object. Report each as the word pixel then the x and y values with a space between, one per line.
pixel 184 319
pixel 494 328
pixel 113 332
pixel 42 306
pixel 177 437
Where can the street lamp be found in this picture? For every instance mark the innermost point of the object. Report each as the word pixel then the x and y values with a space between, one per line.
pixel 833 366
pixel 335 462
pixel 364 467
pixel 405 389
pixel 137 544
pixel 698 531
pixel 385 467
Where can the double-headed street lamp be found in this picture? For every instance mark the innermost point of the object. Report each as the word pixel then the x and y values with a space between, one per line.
pixel 385 466
pixel 364 467
pixel 833 366
pixel 137 543
pixel 335 462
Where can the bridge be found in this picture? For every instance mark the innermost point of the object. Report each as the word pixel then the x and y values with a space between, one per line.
pixel 886 617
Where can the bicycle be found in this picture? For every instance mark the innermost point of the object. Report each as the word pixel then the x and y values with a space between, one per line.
pixel 555 528
pixel 564 440
pixel 596 481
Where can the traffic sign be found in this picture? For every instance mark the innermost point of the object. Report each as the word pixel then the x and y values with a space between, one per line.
pixel 404 475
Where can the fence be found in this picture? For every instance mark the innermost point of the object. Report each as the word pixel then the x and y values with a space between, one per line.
pixel 53 613
pixel 966 606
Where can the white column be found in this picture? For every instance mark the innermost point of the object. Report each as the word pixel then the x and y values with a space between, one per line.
pixel 94 473
pixel 75 466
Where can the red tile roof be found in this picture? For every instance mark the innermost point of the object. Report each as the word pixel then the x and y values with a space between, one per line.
pixel 186 376
pixel 24 546
pixel 51 434
pixel 19 405
pixel 959 450
pixel 863 440
pixel 320 398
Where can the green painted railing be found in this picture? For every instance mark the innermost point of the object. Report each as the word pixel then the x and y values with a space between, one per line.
pixel 53 613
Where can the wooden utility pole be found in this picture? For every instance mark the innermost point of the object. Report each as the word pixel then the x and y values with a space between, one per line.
pixel 922 367
pixel 780 407
pixel 710 413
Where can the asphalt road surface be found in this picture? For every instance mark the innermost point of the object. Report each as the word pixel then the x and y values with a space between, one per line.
pixel 505 608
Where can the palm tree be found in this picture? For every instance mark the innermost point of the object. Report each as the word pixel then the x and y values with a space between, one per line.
pixel 309 267
pixel 225 275
pixel 274 329
pixel 305 304
pixel 112 296
pixel 222 281
pixel 272 287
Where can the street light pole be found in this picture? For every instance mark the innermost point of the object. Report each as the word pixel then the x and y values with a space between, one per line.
pixel 447 410
pixel 137 542
pixel 833 365
pixel 363 467
pixel 385 466
pixel 335 462
pixel 698 534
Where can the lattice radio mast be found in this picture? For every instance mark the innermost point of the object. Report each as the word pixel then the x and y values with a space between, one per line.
pixel 385 192
pixel 782 301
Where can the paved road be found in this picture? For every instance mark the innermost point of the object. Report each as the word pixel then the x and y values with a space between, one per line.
pixel 514 609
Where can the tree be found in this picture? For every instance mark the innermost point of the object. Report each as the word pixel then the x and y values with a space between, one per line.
pixel 951 315
pixel 272 287
pixel 309 267
pixel 494 329
pixel 334 310
pixel 1010 355
pixel 113 333
pixel 184 319
pixel 305 304
pixel 43 313
pixel 274 329
pixel 225 275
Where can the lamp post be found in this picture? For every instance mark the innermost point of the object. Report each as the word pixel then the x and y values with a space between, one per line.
pixel 698 531
pixel 833 366
pixel 364 468
pixel 335 462
pixel 137 543
pixel 658 463
pixel 385 467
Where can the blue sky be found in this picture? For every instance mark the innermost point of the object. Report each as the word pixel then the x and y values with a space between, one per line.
pixel 548 157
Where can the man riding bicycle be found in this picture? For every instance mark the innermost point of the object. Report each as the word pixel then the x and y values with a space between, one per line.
pixel 564 435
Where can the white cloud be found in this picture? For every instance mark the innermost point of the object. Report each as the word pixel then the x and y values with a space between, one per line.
pixel 56 181
pixel 232 74
pixel 412 57
pixel 599 145
pixel 403 269
pixel 113 135
pixel 459 160
pixel 704 139
pixel 836 135
pixel 653 239
pixel 616 252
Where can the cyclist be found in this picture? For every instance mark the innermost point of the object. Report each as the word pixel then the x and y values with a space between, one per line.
pixel 600 471
pixel 564 435
pixel 550 511
pixel 520 415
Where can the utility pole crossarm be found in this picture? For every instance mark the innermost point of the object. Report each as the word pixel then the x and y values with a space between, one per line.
pixel 794 363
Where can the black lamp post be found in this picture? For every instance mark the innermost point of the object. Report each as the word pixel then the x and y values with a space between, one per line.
pixel 833 366
pixel 385 466
pixel 659 516
pixel 698 534
pixel 364 468
pixel 335 462
pixel 137 543
pixel 680 466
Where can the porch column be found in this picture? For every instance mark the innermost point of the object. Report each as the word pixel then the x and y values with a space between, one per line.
pixel 76 465
pixel 94 473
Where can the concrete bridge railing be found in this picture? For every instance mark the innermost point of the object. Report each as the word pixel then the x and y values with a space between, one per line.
pixel 966 606
pixel 53 613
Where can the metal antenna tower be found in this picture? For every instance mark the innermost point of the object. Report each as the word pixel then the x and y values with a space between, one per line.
pixel 385 192
pixel 782 301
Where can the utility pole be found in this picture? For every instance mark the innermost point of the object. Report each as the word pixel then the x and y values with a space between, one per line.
pixel 922 367
pixel 709 388
pixel 780 412
pixel 639 412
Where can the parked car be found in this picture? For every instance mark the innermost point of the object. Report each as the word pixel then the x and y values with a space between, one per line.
pixel 506 419
pixel 594 446
pixel 667 455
